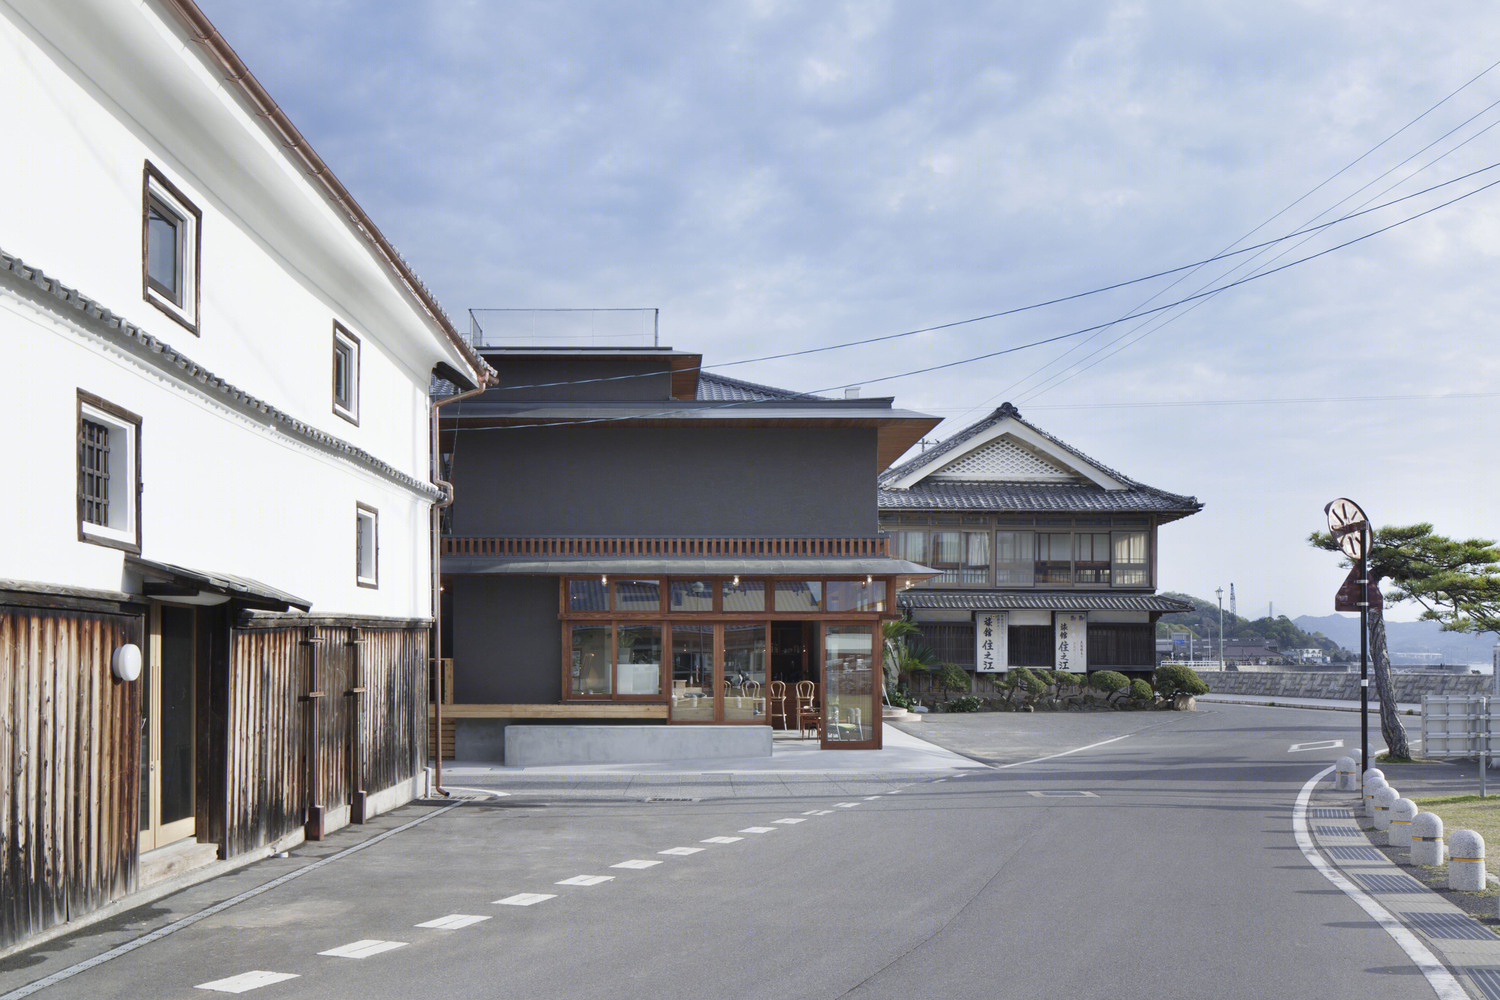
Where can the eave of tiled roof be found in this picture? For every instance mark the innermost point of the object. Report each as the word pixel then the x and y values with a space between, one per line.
pixel 1013 600
pixel 1037 498
pixel 157 353
pixel 713 386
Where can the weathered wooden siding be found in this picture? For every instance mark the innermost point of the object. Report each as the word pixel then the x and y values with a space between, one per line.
pixel 316 714
pixel 70 754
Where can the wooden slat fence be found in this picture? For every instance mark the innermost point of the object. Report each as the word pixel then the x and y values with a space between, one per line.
pixel 69 766
pixel 318 713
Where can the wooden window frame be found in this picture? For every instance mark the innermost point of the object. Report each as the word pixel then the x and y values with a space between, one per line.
pixel 363 511
pixel 169 200
pixel 124 490
pixel 347 345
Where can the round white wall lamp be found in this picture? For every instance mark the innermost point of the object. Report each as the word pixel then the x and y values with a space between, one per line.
pixel 126 662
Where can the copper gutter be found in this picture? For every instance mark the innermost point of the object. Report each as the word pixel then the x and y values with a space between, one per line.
pixel 437 563
pixel 239 75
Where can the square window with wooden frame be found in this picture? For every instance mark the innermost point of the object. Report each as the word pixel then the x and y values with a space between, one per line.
pixel 366 546
pixel 345 374
pixel 171 237
pixel 109 474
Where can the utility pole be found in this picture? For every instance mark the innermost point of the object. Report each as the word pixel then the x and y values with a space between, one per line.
pixel 1220 593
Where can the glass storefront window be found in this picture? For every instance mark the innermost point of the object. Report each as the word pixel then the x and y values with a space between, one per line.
pixel 849 711
pixel 854 595
pixel 799 595
pixel 639 650
pixel 745 597
pixel 588 595
pixel 637 595
pixel 589 673
pixel 1014 561
pixel 692 595
pixel 744 673
pixel 1130 566
pixel 693 673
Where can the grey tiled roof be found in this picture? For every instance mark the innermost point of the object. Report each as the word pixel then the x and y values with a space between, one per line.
pixel 991 600
pixel 721 388
pixel 1061 497
pixel 1023 495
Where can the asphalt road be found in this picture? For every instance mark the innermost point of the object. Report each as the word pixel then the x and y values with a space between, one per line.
pixel 1158 864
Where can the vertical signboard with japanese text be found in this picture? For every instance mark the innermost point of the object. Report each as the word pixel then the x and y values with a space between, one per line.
pixel 1072 630
pixel 991 642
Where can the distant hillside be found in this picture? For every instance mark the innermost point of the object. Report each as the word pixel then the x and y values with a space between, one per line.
pixel 1203 621
pixel 1407 637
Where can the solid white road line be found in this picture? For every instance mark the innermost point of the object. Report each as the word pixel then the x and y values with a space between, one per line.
pixel 1438 976
pixel 453 921
pixel 1054 756
pixel 246 981
pixel 525 899
pixel 363 948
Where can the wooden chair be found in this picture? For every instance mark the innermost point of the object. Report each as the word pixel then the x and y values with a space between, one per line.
pixel 809 715
pixel 777 704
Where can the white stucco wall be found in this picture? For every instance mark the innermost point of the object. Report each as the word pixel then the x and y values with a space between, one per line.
pixel 96 88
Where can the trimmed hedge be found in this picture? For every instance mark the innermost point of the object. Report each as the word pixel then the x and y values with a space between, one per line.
pixel 1177 678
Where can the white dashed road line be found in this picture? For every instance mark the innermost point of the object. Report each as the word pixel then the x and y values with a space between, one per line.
pixel 759 829
pixel 636 863
pixel 845 805
pixel 246 981
pixel 789 820
pixel 363 948
pixel 453 921
pixel 525 899
pixel 721 840
pixel 586 880
pixel 681 851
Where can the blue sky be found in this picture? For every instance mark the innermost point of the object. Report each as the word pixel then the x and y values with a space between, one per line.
pixel 775 176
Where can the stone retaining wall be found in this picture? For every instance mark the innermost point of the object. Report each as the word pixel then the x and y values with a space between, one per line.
pixel 1410 687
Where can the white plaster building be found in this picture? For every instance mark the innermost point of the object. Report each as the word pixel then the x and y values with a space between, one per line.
pixel 216 449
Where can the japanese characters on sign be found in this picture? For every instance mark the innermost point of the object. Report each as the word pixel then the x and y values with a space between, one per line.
pixel 991 641
pixel 1072 642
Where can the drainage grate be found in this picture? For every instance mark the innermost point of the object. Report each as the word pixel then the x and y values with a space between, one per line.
pixel 1378 882
pixel 1355 853
pixel 1332 814
pixel 1487 980
pixel 1336 831
pixel 1453 926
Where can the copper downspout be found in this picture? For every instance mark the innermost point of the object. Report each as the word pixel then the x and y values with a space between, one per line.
pixel 437 562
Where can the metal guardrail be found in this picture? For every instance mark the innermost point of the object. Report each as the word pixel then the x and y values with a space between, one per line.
pixel 1462 726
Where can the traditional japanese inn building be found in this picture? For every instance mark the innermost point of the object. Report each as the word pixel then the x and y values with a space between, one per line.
pixel 1044 557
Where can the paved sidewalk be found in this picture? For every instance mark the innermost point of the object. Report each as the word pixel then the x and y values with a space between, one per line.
pixel 1468 947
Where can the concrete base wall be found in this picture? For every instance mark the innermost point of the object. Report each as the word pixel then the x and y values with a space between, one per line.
pixel 1409 687
pixel 540 746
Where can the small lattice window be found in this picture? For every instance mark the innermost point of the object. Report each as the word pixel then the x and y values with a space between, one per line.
pixel 93 471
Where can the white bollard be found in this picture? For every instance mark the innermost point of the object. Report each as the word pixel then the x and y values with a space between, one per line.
pixel 1403 811
pixel 1344 775
pixel 1385 797
pixel 1466 868
pixel 1372 785
pixel 1427 839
